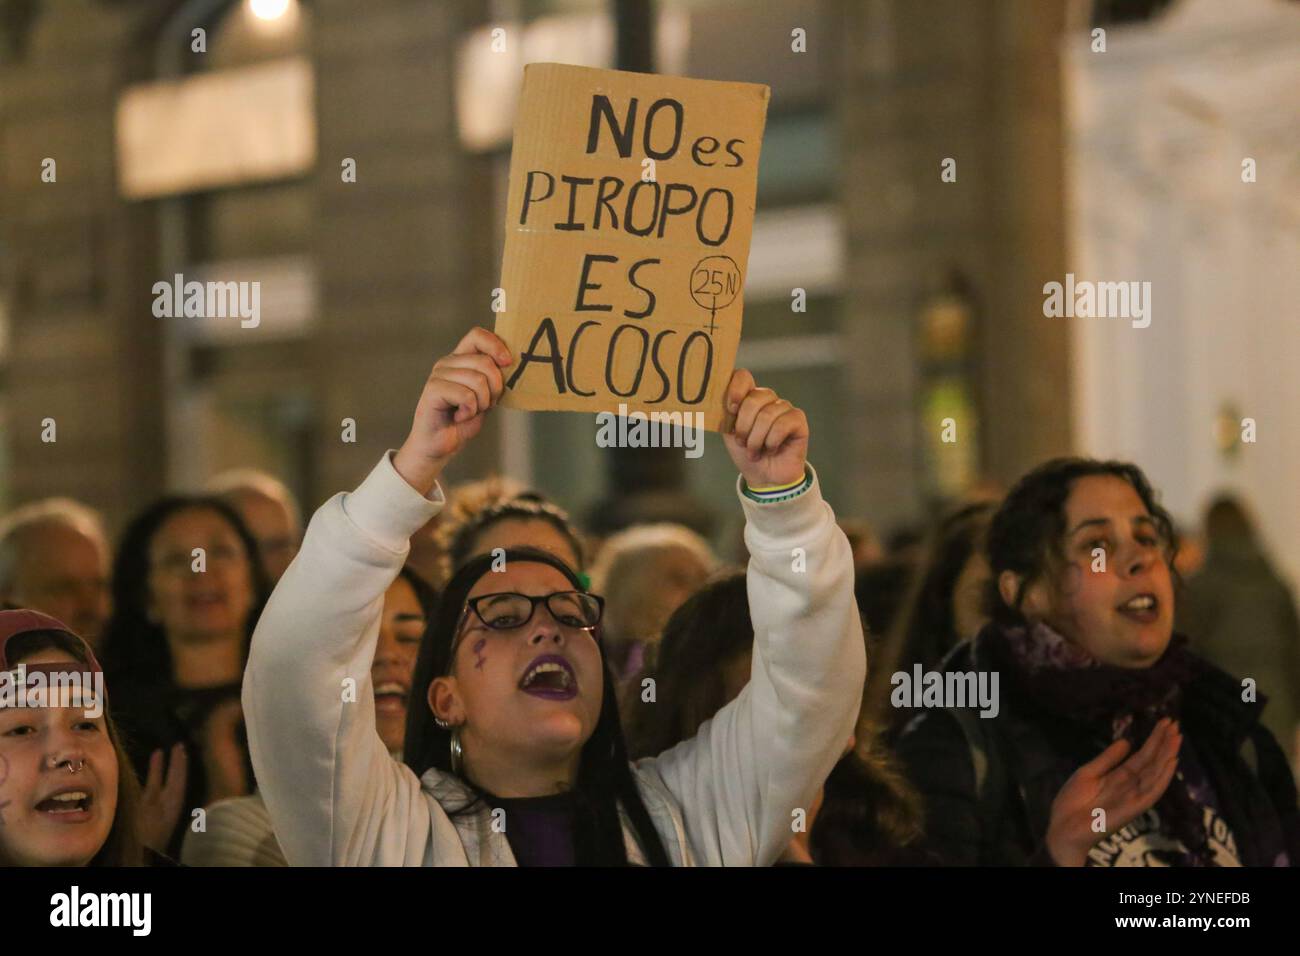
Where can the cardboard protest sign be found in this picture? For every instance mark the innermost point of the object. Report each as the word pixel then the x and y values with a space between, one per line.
pixel 627 237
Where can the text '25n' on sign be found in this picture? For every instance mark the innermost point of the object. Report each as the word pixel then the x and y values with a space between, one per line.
pixel 628 223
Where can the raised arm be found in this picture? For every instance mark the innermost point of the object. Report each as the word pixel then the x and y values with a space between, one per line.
pixel 308 698
pixel 761 758
pixel 335 795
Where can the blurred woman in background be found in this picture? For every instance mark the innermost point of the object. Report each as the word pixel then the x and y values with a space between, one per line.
pixel 645 573
pixel 187 589
pixel 431 546
pixel 944 604
pixel 865 815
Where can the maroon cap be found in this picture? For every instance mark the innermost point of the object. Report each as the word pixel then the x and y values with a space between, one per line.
pixel 13 623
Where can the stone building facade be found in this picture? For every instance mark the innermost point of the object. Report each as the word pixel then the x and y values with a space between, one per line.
pixel 402 260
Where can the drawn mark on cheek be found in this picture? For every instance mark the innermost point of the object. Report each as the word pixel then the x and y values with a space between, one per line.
pixel 4 775
pixel 479 657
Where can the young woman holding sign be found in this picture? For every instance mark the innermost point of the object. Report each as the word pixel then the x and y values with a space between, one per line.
pixel 514 753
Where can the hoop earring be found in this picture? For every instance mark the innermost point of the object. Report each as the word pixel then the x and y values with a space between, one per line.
pixel 457 753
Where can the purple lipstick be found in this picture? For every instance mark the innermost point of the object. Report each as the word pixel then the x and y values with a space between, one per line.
pixel 550 677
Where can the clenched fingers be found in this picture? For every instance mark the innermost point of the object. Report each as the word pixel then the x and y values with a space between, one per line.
pixel 479 339
pixel 485 384
pixel 747 414
pixel 763 421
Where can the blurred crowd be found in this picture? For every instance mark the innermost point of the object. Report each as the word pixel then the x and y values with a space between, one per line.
pixel 169 609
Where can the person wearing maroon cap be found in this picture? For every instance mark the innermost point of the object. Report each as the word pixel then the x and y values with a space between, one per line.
pixel 68 796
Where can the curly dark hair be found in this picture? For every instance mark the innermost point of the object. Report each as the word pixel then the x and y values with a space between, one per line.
pixel 1026 533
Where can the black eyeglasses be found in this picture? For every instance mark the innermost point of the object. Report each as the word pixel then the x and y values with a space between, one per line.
pixel 508 610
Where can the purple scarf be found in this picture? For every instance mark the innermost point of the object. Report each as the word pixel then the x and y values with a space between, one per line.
pixel 1061 679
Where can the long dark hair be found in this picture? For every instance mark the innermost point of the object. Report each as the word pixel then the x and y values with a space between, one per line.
pixel 426 595
pixel 925 628
pixel 1027 531
pixel 122 847
pixel 135 649
pixel 712 626
pixel 869 812
pixel 605 780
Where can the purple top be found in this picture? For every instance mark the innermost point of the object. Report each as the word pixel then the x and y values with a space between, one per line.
pixel 540 829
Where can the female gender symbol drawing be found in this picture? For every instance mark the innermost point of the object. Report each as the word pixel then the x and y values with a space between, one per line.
pixel 715 282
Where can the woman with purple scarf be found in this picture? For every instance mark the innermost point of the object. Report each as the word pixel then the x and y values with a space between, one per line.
pixel 1110 743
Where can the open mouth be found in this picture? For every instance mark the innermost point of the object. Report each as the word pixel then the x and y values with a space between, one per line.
pixel 67 806
pixel 390 697
pixel 1143 608
pixel 551 677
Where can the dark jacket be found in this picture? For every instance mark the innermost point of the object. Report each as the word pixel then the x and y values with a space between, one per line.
pixel 1241 616
pixel 987 784
pixel 155 716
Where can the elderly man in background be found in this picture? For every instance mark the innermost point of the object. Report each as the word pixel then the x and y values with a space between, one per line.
pixel 54 557
pixel 270 511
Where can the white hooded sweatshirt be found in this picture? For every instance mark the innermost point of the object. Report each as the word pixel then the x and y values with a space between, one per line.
pixel 728 796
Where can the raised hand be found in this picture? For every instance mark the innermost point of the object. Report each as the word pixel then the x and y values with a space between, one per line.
pixel 1122 788
pixel 768 438
pixel 162 797
pixel 222 753
pixel 456 397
